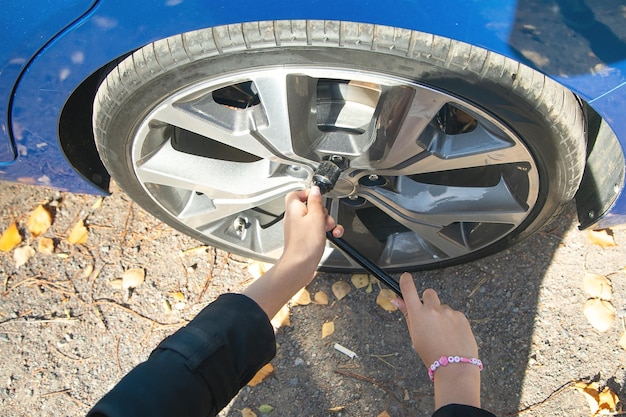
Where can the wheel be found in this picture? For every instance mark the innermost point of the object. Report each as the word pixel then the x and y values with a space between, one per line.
pixel 454 152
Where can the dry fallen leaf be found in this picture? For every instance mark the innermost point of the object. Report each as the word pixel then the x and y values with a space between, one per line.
pixel 88 270
pixel 328 328
pixel 302 297
pixel 360 280
pixel 78 234
pixel 597 286
pixel 22 255
pixel 608 400
pixel 133 278
pixel 97 204
pixel 281 318
pixel 384 414
pixel 600 402
pixel 321 298
pixel 341 289
pixel 337 409
pixel 177 296
pixel 39 221
pixel 258 268
pixel 373 280
pixel 600 314
pixel 247 412
pixel 384 299
pixel 263 373
pixel 10 238
pixel 602 237
pixel 46 246
pixel 117 284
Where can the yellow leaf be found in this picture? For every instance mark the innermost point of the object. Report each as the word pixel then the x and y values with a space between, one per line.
pixel 263 373
pixel 600 314
pixel 177 296
pixel 590 392
pixel 600 402
pixel 117 284
pixel 337 409
pixel 78 234
pixel 281 318
pixel 97 204
pixel 258 268
pixel 384 414
pixel 341 289
pixel 22 255
pixel 321 298
pixel 88 270
pixel 360 280
pixel 39 221
pixel 45 245
pixel 133 278
pixel 597 286
pixel 384 299
pixel 328 328
pixel 10 238
pixel 247 412
pixel 603 237
pixel 608 400
pixel 302 297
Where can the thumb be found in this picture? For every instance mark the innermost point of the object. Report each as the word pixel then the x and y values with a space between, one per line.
pixel 314 201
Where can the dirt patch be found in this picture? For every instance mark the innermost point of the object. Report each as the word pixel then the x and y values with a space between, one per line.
pixel 67 336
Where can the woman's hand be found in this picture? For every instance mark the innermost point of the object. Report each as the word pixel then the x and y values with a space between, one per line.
pixel 437 330
pixel 305 226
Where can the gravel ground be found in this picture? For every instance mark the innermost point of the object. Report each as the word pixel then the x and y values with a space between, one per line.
pixel 67 335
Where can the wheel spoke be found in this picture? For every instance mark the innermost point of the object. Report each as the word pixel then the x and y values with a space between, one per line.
pixel 426 209
pixel 217 193
pixel 444 152
pixel 214 121
pixel 288 102
pixel 403 116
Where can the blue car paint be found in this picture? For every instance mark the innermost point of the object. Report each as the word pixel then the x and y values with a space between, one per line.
pixel 113 28
pixel 25 28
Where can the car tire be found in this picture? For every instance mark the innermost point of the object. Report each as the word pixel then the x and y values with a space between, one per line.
pixel 455 152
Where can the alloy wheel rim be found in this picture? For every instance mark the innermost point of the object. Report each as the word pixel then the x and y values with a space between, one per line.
pixel 432 177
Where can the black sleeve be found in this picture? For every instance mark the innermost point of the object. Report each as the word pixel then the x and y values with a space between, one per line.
pixel 200 368
pixel 457 410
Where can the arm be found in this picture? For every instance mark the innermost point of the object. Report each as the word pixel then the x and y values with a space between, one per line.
pixel 306 223
pixel 438 330
pixel 201 367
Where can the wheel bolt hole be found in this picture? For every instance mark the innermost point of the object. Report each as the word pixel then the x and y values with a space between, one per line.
pixel 372 180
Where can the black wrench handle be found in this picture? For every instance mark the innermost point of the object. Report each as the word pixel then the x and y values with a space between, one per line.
pixel 368 265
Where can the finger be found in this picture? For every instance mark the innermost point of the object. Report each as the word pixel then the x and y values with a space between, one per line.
pixel 338 231
pixel 314 201
pixel 409 292
pixel 430 297
pixel 294 203
pixel 399 302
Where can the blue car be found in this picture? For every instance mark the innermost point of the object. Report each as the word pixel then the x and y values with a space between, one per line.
pixel 454 129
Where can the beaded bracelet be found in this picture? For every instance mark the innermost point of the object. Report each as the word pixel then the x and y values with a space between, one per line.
pixel 445 360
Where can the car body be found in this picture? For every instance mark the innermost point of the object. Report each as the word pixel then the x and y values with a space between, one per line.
pixel 54 55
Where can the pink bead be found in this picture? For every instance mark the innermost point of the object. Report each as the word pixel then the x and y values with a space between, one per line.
pixel 443 361
pixel 465 360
